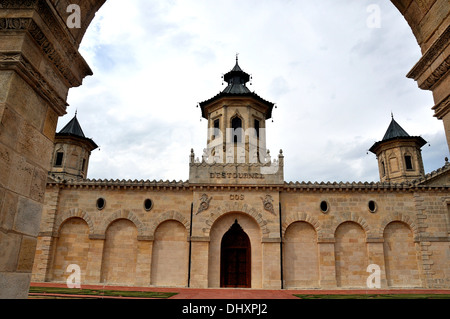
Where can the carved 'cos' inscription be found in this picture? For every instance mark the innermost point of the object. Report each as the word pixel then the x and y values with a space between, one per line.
pixel 237 197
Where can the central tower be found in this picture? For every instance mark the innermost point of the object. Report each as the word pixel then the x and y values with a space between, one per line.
pixel 236 141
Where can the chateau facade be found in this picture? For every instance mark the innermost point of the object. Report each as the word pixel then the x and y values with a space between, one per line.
pixel 237 223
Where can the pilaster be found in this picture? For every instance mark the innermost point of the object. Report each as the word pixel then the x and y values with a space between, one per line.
pixel 39 62
pixel 327 264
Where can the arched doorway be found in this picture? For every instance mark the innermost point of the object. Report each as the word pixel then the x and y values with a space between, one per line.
pixel 235 258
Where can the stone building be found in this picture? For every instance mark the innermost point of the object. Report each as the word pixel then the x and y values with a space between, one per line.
pixel 237 223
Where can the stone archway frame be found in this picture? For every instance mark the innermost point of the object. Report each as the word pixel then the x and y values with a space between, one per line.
pixel 303 217
pixel 72 213
pixel 355 218
pixel 398 217
pixel 170 215
pixel 237 207
pixel 121 214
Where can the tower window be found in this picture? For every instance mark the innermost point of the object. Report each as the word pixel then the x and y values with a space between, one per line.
pixel 236 124
pixel 408 162
pixel 257 128
pixel 216 128
pixel 59 158
pixel 383 169
pixel 83 165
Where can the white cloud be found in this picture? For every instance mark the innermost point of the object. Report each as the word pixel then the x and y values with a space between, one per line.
pixel 335 82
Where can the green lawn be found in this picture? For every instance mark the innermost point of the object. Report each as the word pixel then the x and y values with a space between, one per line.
pixel 376 296
pixel 100 293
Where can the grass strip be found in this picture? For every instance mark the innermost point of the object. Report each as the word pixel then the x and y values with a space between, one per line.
pixel 374 296
pixel 101 292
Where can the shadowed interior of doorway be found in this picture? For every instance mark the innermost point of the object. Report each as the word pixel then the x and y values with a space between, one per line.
pixel 235 258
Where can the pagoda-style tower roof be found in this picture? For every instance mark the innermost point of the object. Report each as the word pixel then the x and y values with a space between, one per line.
pixel 396 132
pixel 237 80
pixel 73 129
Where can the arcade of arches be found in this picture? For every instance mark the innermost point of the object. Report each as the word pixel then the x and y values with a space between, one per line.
pixel 291 241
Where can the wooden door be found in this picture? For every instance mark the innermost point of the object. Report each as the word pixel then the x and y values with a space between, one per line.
pixel 235 259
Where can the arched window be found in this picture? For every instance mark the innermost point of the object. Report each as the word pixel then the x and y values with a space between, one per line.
pixel 236 124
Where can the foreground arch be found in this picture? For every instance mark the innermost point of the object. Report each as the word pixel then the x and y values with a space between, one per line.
pixel 41 62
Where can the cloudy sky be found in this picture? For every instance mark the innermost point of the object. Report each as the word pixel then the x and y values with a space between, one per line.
pixel 335 69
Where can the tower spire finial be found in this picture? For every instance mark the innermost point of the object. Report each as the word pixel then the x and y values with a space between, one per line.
pixel 237 57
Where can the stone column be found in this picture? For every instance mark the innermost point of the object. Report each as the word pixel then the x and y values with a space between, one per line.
pixel 39 62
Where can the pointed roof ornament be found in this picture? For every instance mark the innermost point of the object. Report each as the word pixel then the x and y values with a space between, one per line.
pixel 236 79
pixel 73 128
pixel 395 132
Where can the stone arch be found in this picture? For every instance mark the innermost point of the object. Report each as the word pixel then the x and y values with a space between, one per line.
pixel 302 217
pixel 70 248
pixel 351 255
pixel 412 17
pixel 301 255
pixel 398 217
pixel 237 207
pixel 170 215
pixel 352 217
pixel 221 226
pixel 170 254
pixel 74 212
pixel 121 214
pixel 120 253
pixel 401 257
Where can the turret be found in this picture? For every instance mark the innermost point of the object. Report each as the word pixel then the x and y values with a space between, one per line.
pixel 71 153
pixel 399 155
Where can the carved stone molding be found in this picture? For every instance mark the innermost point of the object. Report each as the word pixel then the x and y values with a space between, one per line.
pixel 268 203
pixel 15 23
pixel 51 34
pixel 442 108
pixel 436 75
pixel 204 203
pixel 8 4
pixel 17 62
pixel 62 64
pixel 427 60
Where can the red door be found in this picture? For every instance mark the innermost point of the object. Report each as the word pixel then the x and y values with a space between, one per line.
pixel 235 266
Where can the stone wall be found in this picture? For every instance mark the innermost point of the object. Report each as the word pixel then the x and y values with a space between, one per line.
pixel 39 62
pixel 404 231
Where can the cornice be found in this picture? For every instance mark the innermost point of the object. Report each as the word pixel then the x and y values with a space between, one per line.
pixel 285 187
pixel 427 61
pixel 61 50
pixel 17 62
pixel 442 108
